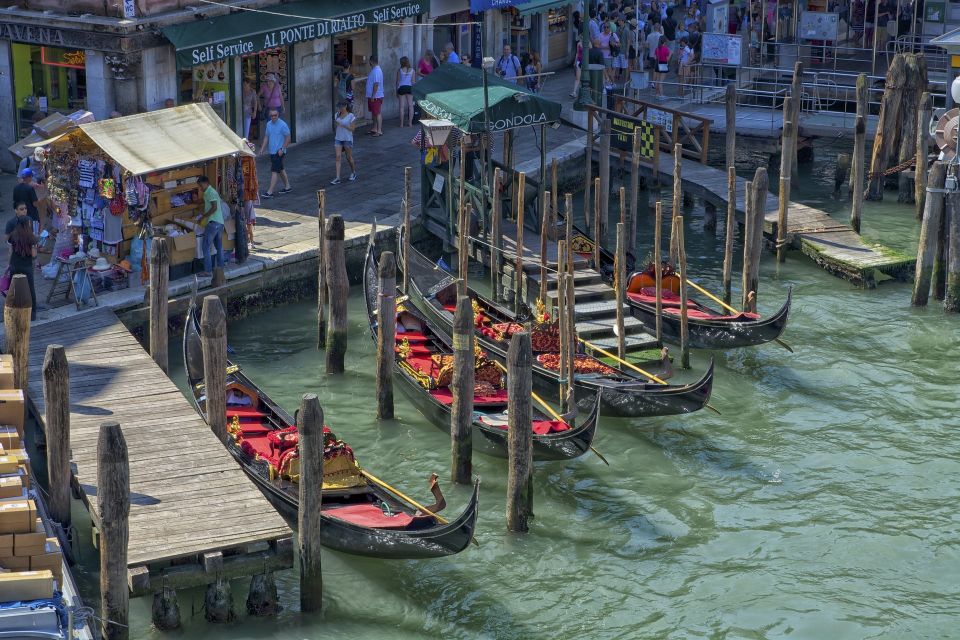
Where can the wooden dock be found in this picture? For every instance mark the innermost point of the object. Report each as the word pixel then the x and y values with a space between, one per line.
pixel 194 514
pixel 830 243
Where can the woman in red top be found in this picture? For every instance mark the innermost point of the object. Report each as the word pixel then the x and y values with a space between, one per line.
pixel 662 54
pixel 426 65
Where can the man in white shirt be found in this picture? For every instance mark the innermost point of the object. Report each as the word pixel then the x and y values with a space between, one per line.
pixel 508 66
pixel 375 96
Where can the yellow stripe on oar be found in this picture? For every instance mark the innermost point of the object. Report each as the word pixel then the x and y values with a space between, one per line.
pixel 636 368
pixel 731 309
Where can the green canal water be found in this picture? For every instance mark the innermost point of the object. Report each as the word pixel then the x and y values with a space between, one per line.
pixel 820 504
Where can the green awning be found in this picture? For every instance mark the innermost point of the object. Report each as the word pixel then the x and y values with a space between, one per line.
pixel 455 92
pixel 246 32
pixel 539 6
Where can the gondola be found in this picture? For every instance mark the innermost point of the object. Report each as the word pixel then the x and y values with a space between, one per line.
pixel 707 328
pixel 359 516
pixel 623 392
pixel 423 353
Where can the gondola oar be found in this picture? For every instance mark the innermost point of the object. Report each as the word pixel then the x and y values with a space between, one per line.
pixel 729 308
pixel 553 414
pixel 634 367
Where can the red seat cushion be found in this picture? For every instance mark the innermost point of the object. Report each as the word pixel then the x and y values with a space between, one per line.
pixel 445 395
pixel 368 515
pixel 411 336
pixel 245 412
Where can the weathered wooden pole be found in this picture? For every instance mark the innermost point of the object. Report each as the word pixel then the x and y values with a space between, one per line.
pixel 915 83
pixel 588 180
pixel 728 240
pixel 554 197
pixel 407 228
pixel 16 320
pixel 518 265
pixel 657 269
pixel 884 142
pixel 787 160
pixel 730 102
pixel 562 318
pixel 862 95
pixel 793 111
pixel 213 338
pixel 634 189
pixel 322 293
pixel 113 503
pixel 262 597
pixel 841 174
pixel 568 222
pixel 386 334
pixel 749 220
pixel 508 148
pixel 856 172
pixel 677 181
pixel 338 286
pixel 544 233
pixel 56 400
pixel 571 318
pixel 496 233
pixel 159 282
pixel 463 251
pixel 310 427
pixel 598 227
pixel 218 601
pixel 922 150
pixel 929 235
pixel 519 433
pixel 751 274
pixel 951 211
pixel 939 277
pixel 684 322
pixel 656 157
pixel 461 414
pixel 620 282
pixel 165 611
pixel 604 180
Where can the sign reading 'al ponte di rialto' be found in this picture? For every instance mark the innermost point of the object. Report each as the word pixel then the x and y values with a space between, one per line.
pixel 300 32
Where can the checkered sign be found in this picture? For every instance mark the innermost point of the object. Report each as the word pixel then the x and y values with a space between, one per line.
pixel 621 131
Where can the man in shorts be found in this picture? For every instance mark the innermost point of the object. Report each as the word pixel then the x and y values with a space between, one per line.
pixel 276 139
pixel 375 96
pixel 343 139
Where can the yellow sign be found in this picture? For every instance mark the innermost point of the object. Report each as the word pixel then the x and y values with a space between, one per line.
pixel 955 62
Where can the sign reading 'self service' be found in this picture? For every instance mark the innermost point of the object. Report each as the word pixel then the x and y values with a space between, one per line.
pixel 285 36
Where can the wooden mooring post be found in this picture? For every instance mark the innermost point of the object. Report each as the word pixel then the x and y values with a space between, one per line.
pixel 463 247
pixel 793 112
pixel 310 426
pixel 923 148
pixel 620 284
pixel 750 219
pixel 951 211
pixel 386 334
pixel 496 232
pixel 677 181
pixel 915 83
pixel 604 181
pixel 886 136
pixel 730 104
pixel 407 229
pixel 322 293
pixel 787 160
pixel 338 286
pixel 562 320
pixel 597 225
pixel 857 169
pixel 518 265
pixel 684 322
pixel 56 400
pixel 760 191
pixel 929 235
pixel 728 240
pixel 554 197
pixel 658 270
pixel 159 283
pixel 519 433
pixel 588 179
pixel 213 338
pixel 634 189
pixel 544 237
pixel 461 414
pixel 113 503
pixel 16 320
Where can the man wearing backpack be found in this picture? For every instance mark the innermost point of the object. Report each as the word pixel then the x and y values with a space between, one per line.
pixel 508 66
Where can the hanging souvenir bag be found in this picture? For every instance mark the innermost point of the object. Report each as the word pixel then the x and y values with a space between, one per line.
pixel 108 188
pixel 117 205
pixel 131 192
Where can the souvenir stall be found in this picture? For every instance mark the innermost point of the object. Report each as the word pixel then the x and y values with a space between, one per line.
pixel 124 181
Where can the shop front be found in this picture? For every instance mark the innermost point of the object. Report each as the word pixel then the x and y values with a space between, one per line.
pixel 545 27
pixel 291 46
pixel 451 20
pixel 47 80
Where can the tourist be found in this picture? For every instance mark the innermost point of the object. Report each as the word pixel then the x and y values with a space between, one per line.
pixel 276 139
pixel 624 38
pixel 529 72
pixel 212 224
pixel 375 96
pixel 248 99
pixel 272 94
pixel 608 41
pixel 343 139
pixel 577 68
pixel 685 66
pixel 662 57
pixel 450 55
pixel 24 192
pixel 23 249
pixel 594 25
pixel 344 82
pixel 651 44
pixel 508 66
pixel 669 28
pixel 427 64
pixel 406 76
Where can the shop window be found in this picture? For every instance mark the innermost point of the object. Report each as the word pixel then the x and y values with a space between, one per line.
pixel 47 80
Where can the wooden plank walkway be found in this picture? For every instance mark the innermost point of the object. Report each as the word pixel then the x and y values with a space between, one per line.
pixel 830 243
pixel 188 495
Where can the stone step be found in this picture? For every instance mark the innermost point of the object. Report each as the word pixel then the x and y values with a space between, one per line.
pixel 586 293
pixel 604 327
pixel 580 276
pixel 597 310
pixel 632 342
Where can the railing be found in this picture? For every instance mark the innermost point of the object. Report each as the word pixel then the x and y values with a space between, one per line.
pixel 689 130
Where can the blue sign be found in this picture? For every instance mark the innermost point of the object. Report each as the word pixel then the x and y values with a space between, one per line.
pixel 476 42
pixel 476 6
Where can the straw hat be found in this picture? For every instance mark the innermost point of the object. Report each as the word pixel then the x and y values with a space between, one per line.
pixel 101 265
pixel 94 252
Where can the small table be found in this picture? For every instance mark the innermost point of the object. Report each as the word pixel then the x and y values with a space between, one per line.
pixel 68 269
